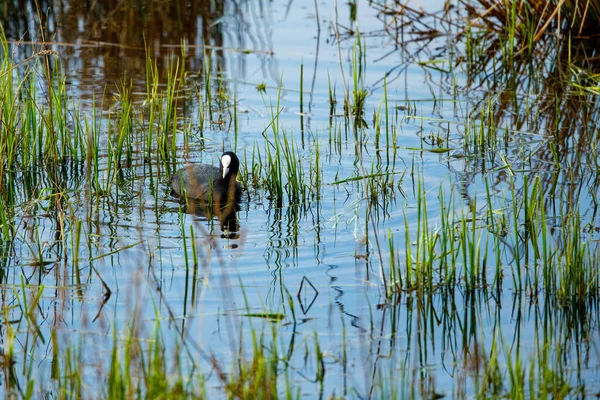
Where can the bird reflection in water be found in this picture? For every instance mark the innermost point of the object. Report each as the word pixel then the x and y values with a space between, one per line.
pixel 226 214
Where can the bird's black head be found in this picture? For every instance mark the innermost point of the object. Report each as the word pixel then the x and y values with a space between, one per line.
pixel 230 165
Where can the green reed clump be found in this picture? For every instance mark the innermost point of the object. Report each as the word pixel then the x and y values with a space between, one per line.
pixel 65 138
pixel 208 88
pixel 7 235
pixel 497 225
pixel 167 139
pixel 356 109
pixel 283 172
pixel 251 168
pixel 480 136
pixel 36 129
pixel 575 277
pixel 459 246
pixel 296 187
pixel 142 368
pixel 539 377
pixel 316 170
pixel 274 174
pixel 119 142
pixel 255 377
pixel 9 115
pixel 123 146
pixel 93 129
pixel 560 263
pixel 153 104
pixel 488 379
pixel 162 106
pixel 72 384
pixel 472 248
pixel 512 372
pixel 472 244
pixel 418 268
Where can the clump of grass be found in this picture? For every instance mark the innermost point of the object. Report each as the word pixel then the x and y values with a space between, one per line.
pixel 283 173
pixel 121 146
pixel 256 377
pixel 467 247
pixel 143 368
pixel 356 109
pixel 167 139
pixel 32 135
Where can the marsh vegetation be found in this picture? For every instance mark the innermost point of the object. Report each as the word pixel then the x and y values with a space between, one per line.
pixel 418 217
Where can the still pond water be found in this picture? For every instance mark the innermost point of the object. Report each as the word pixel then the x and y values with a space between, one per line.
pixel 307 270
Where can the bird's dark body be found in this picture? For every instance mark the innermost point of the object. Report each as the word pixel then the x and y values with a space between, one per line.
pixel 205 183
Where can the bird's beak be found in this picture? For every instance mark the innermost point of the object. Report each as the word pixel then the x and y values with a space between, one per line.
pixel 225 171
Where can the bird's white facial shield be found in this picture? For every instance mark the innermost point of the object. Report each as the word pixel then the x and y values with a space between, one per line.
pixel 225 162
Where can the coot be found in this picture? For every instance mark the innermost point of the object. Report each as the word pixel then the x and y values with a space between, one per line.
pixel 209 184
